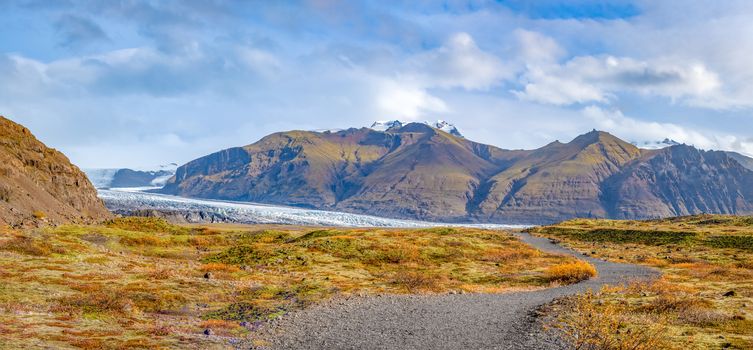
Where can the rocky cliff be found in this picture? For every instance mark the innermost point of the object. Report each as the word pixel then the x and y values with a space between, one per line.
pixel 417 171
pixel 40 185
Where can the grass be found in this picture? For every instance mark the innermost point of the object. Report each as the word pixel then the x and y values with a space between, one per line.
pixel 568 273
pixel 704 299
pixel 144 283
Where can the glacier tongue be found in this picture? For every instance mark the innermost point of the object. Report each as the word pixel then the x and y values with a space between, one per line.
pixel 252 213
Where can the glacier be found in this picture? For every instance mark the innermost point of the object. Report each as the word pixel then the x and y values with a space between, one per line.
pixel 253 213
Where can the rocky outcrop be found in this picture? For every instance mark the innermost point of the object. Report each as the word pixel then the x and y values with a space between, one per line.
pixel 416 171
pixel 40 185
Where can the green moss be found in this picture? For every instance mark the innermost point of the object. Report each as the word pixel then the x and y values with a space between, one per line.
pixel 317 234
pixel 253 255
pixel 736 242
pixel 655 238
pixel 440 231
pixel 241 311
pixel 149 225
pixel 341 247
pixel 266 236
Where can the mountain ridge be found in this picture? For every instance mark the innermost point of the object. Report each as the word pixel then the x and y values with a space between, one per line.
pixel 39 185
pixel 417 171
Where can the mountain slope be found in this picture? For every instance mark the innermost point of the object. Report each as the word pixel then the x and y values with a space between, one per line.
pixel 558 180
pixel 746 162
pixel 413 171
pixel 38 183
pixel 680 180
pixel 417 171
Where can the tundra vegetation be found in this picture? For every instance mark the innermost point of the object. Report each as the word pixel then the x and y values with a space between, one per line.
pixel 144 283
pixel 704 300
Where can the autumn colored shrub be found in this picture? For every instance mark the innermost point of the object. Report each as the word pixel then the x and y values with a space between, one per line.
pixel 30 246
pixel 570 272
pixel 416 281
pixel 589 324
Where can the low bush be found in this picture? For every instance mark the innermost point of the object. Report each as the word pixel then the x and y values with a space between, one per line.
pixel 30 246
pixel 588 324
pixel 416 281
pixel 570 272
pixel 241 311
pixel 734 242
pixel 149 225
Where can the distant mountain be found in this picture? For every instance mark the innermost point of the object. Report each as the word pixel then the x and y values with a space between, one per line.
pixel 656 144
pixel 39 184
pixel 113 178
pixel 746 162
pixel 416 171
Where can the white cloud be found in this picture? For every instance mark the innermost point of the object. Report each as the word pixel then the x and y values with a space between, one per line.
pixel 399 100
pixel 598 79
pixel 536 48
pixel 458 63
pixel 640 131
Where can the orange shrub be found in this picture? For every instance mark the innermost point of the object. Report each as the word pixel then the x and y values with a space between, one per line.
pixel 570 272
pixel 215 267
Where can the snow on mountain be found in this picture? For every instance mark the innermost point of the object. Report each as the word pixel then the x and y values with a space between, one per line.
pixel 656 144
pixel 446 127
pixel 384 125
pixel 100 178
pixel 155 176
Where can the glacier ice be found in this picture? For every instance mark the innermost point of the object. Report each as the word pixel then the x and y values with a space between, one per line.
pixel 253 213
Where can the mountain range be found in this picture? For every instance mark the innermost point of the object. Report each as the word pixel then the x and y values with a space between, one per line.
pixel 425 171
pixel 125 177
pixel 40 185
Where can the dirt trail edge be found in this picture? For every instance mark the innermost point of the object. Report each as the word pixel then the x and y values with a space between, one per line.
pixel 452 321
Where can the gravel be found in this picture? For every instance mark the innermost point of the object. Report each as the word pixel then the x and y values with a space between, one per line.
pixel 451 321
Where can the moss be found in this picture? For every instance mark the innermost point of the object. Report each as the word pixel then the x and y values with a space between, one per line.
pixel 264 236
pixel 317 234
pixel 622 236
pixel 252 255
pixel 734 242
pixel 242 311
pixel 149 225
pixel 441 231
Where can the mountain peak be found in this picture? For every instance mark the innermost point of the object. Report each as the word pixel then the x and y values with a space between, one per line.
pixel 386 125
pixel 596 136
pixel 667 142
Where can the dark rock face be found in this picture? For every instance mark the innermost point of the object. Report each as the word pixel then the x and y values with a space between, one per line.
pixel 40 185
pixel 681 180
pixel 418 172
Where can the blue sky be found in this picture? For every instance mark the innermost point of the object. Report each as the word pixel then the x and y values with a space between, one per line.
pixel 138 83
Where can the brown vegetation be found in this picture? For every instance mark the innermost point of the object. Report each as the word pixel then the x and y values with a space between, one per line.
pixel 704 300
pixel 144 283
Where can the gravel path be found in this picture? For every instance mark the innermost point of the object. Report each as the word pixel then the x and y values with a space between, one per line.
pixel 452 321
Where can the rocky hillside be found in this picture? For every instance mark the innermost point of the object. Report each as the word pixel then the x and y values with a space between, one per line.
pixel 417 171
pixel 40 185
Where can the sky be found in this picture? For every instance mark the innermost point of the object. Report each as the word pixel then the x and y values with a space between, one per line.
pixel 133 83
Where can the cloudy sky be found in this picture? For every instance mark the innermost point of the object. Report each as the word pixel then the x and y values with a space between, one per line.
pixel 139 83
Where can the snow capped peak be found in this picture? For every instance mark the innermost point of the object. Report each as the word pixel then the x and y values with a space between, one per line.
pixel 384 125
pixel 446 127
pixel 667 142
